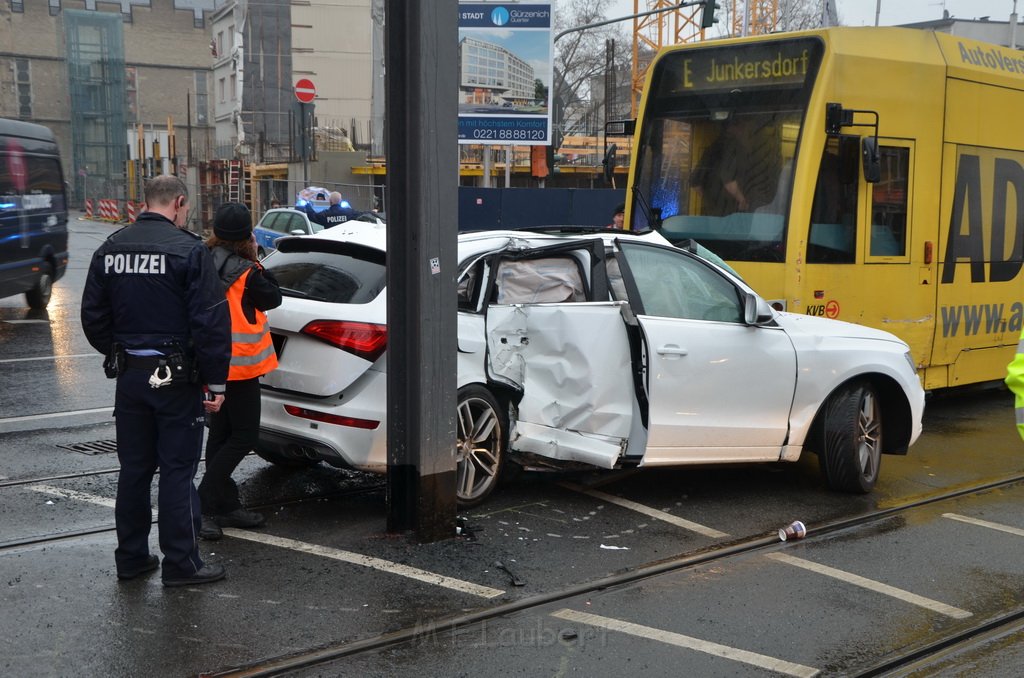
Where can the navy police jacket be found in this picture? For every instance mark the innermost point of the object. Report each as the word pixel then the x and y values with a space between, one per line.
pixel 152 284
pixel 332 216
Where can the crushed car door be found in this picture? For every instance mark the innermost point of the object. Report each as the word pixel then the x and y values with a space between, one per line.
pixel 569 357
pixel 718 389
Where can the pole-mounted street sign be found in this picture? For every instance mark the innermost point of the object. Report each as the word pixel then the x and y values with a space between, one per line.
pixel 305 90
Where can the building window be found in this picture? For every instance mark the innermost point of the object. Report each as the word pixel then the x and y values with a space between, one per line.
pixel 54 7
pixel 234 84
pixel 220 43
pixel 231 37
pixel 202 99
pixel 24 85
pixel 223 89
pixel 17 6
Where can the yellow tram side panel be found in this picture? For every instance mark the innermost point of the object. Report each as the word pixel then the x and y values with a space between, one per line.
pixel 979 307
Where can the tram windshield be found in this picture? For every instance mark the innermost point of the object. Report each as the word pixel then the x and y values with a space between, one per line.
pixel 720 131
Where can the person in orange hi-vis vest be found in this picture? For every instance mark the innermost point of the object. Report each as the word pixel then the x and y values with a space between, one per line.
pixel 234 430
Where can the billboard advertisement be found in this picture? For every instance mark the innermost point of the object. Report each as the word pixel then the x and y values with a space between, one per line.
pixel 505 66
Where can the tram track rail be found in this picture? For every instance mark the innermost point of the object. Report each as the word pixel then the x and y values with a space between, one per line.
pixel 325 654
pixel 110 527
pixel 926 657
pixel 56 477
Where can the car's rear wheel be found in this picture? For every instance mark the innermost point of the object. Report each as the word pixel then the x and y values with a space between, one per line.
pixel 39 296
pixel 852 439
pixel 482 428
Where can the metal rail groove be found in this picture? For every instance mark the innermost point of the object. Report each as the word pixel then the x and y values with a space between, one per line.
pixel 110 527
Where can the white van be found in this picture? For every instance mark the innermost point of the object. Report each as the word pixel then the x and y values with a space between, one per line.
pixel 33 212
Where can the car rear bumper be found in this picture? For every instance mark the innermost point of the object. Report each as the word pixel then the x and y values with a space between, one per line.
pixel 343 446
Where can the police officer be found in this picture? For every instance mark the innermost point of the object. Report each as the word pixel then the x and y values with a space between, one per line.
pixel 154 305
pixel 333 215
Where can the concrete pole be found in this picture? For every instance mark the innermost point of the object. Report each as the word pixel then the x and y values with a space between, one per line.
pixel 423 177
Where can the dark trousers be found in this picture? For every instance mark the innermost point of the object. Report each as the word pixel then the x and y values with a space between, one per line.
pixel 158 428
pixel 234 432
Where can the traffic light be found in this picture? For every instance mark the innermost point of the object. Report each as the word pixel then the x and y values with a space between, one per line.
pixel 707 16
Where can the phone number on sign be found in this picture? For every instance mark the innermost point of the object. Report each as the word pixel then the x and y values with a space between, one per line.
pixel 510 134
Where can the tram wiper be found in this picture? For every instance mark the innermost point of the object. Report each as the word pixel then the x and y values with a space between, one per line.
pixel 651 214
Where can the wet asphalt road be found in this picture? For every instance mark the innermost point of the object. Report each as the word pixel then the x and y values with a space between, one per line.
pixel 310 581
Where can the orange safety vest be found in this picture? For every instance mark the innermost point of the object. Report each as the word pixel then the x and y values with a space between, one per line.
pixel 252 352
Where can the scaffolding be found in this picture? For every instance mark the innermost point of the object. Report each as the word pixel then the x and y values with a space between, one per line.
pixel 96 87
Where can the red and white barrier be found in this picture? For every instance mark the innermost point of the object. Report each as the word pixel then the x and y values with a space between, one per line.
pixel 88 208
pixel 132 211
pixel 109 210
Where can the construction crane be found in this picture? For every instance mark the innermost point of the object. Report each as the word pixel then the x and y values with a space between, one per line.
pixel 754 17
pixel 683 24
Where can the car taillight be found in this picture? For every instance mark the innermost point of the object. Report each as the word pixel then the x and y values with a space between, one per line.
pixel 313 415
pixel 365 340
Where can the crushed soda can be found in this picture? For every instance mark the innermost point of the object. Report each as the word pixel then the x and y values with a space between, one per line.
pixel 795 530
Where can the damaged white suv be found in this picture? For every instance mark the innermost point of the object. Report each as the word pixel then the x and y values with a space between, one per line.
pixel 605 349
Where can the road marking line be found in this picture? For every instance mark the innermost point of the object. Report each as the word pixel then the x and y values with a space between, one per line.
pixel 54 415
pixel 74 494
pixel 648 511
pixel 314 549
pixel 864 582
pixel 679 640
pixel 984 523
pixel 368 561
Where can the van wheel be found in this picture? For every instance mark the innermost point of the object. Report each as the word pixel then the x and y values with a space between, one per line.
pixel 480 449
pixel 852 439
pixel 39 296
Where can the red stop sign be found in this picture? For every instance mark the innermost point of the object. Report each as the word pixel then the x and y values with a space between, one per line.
pixel 305 90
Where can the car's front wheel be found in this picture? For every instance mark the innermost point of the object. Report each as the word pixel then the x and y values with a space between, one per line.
pixel 39 296
pixel 480 449
pixel 852 439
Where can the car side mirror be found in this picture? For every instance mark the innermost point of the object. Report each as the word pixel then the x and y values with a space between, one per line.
pixel 756 310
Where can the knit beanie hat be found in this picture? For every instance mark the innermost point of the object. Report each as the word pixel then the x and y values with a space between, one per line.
pixel 232 222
